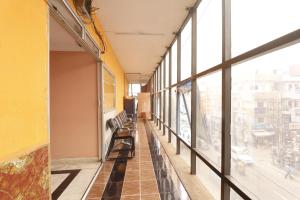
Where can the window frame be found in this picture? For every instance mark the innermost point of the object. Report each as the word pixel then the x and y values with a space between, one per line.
pixel 227 181
pixel 104 68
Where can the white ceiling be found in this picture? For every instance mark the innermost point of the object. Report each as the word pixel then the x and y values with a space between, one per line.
pixel 60 39
pixel 140 30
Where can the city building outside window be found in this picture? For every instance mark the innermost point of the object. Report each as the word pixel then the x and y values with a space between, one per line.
pixel 264 88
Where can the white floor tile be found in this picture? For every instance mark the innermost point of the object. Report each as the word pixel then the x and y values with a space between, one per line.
pixel 80 183
pixel 56 180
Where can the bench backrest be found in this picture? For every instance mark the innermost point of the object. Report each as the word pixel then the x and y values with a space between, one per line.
pixel 116 123
pixel 112 125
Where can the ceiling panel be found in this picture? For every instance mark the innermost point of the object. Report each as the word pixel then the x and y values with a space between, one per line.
pixel 140 30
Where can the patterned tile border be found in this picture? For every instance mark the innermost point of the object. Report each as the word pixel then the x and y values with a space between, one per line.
pixel 26 177
pixel 61 188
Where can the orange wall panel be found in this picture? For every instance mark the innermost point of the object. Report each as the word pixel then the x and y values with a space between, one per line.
pixel 73 105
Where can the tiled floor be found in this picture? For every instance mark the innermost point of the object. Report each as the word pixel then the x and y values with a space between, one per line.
pixel 148 175
pixel 83 173
pixel 56 180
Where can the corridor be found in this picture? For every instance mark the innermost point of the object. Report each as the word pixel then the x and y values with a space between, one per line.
pixel 139 99
pixel 149 175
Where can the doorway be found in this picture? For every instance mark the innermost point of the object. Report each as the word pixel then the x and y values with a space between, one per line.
pixel 75 123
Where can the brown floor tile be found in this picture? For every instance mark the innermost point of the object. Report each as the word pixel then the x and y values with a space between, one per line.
pixel 149 187
pixel 109 163
pixel 146 165
pixel 143 154
pixel 132 166
pixel 137 151
pixel 147 175
pixel 139 181
pixel 131 188
pixel 145 158
pixel 96 191
pixel 145 151
pixel 102 178
pixel 134 159
pixel 144 144
pixel 142 148
pixel 132 175
pixel 106 168
pixel 113 155
pixel 134 197
pixel 151 197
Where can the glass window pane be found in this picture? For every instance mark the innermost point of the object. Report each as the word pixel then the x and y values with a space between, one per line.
pixel 210 180
pixel 186 49
pixel 129 90
pixel 162 106
pixel 173 114
pixel 162 74
pixel 159 77
pixel 255 22
pixel 158 105
pixel 265 124
pixel 174 62
pixel 157 82
pixel 185 154
pixel 134 89
pixel 209 34
pixel 167 107
pixel 154 81
pixel 173 141
pixel 185 112
pixel 167 70
pixel 209 115
pixel 173 108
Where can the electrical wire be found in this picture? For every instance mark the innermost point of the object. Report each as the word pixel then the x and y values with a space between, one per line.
pixel 89 15
pixel 100 37
pixel 47 2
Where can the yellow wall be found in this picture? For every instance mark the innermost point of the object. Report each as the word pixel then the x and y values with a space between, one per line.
pixel 110 60
pixel 126 85
pixel 23 77
pixel 108 91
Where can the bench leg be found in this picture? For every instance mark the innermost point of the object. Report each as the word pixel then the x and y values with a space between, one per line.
pixel 133 147
pixel 111 145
